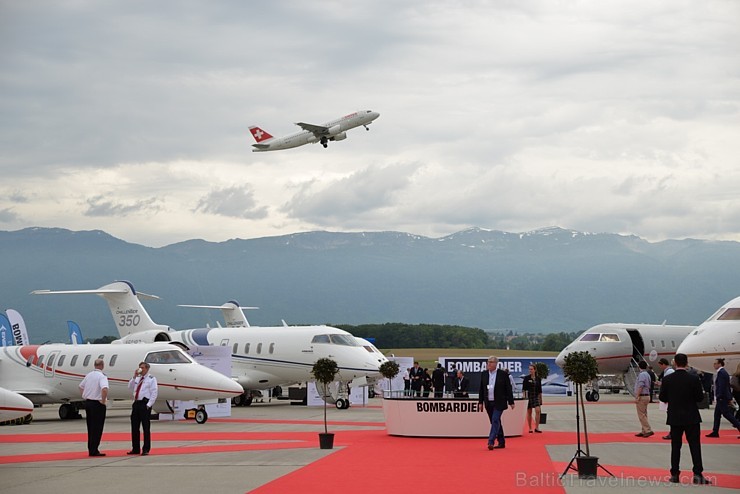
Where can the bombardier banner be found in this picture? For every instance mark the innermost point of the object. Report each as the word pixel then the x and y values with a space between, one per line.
pixel 518 367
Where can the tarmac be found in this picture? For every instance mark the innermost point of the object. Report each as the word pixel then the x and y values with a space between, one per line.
pixel 266 441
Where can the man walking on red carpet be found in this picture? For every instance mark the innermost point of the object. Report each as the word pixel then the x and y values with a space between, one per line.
pixel 494 394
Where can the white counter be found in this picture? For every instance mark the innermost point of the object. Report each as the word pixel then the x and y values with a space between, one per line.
pixel 441 417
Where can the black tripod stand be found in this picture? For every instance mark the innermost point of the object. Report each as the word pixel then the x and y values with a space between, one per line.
pixel 579 452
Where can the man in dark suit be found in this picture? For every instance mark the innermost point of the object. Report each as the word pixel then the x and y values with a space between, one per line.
pixel 461 385
pixel 682 391
pixel 723 397
pixel 438 381
pixel 495 393
pixel 416 375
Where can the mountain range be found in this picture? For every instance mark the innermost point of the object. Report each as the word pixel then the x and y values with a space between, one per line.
pixel 551 279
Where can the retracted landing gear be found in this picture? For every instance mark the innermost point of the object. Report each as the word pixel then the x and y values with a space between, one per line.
pixel 324 142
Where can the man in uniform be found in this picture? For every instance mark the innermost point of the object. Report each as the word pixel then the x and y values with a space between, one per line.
pixel 144 388
pixel 94 389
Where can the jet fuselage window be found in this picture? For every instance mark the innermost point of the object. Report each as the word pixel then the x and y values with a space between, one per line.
pixel 662 343
pixel 50 362
pixel 246 349
pixel 113 360
pixel 73 362
pixel 259 348
pixel 343 339
pixel 61 361
pixel 609 337
pixel 86 362
pixel 236 348
pixel 41 360
pixel 320 338
pixel 730 315
pixel 590 337
pixel 166 357
pixel 272 348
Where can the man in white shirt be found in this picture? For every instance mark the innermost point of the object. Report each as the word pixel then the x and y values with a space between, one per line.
pixel 94 389
pixel 144 388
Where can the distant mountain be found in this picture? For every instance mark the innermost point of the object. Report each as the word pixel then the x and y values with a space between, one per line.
pixel 545 280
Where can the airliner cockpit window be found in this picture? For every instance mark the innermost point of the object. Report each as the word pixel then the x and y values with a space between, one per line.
pixel 609 337
pixel 320 338
pixel 730 315
pixel 166 357
pixel 343 339
pixel 590 337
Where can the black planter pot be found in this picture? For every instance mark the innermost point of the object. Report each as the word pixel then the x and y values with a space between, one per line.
pixel 326 440
pixel 587 466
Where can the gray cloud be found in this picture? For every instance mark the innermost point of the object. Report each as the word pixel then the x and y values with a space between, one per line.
pixel 235 202
pixel 100 206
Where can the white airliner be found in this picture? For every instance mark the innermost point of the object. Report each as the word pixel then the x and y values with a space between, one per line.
pixel 335 130
pixel 13 405
pixel 52 373
pixel 262 357
pixel 717 337
pixel 618 347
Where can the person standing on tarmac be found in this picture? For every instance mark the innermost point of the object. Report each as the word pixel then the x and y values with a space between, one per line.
pixel 144 388
pixel 94 389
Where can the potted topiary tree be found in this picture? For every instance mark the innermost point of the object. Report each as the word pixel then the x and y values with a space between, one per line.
pixel 581 368
pixel 389 369
pixel 324 371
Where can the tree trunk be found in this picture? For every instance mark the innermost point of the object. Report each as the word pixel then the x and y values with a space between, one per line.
pixel 583 413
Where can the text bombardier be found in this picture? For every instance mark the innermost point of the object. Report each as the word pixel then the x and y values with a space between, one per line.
pixel 447 407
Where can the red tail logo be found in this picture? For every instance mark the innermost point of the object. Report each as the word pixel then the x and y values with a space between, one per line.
pixel 259 134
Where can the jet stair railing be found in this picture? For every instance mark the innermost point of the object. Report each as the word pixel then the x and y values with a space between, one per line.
pixel 630 377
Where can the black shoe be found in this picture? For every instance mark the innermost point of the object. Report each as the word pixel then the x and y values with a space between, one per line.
pixel 97 454
pixel 648 434
pixel 674 479
pixel 538 431
pixel 639 434
pixel 500 446
pixel 132 452
pixel 713 434
pixel 490 447
pixel 144 453
pixel 700 479
pixel 667 438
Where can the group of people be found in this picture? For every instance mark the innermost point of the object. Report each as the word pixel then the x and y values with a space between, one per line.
pixel 418 382
pixel 680 393
pixel 94 389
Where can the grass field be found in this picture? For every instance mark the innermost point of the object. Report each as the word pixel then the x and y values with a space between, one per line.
pixel 427 357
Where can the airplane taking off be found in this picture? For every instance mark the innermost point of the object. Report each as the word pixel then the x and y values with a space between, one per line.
pixel 619 347
pixel 52 373
pixel 717 337
pixel 335 130
pixel 261 357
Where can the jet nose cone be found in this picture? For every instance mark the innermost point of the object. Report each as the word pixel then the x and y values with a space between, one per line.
pixel 560 359
pixel 228 387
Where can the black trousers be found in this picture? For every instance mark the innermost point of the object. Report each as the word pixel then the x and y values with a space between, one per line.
pixel 722 409
pixel 95 418
pixel 140 417
pixel 692 433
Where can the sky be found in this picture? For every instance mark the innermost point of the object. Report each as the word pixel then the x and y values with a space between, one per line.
pixel 132 117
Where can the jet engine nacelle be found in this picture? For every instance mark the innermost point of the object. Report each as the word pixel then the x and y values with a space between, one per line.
pixel 339 137
pixel 335 130
pixel 151 336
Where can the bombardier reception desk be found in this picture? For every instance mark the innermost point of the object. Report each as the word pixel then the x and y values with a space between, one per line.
pixel 446 417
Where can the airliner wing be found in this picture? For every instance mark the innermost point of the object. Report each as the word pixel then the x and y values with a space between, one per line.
pixel 317 130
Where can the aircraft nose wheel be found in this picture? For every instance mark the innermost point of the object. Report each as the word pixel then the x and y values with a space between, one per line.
pixel 201 416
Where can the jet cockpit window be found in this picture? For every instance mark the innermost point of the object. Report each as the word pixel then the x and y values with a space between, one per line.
pixel 320 338
pixel 343 339
pixel 590 337
pixel 167 357
pixel 730 315
pixel 369 349
pixel 609 337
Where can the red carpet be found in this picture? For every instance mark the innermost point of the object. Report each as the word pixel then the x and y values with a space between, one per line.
pixel 418 464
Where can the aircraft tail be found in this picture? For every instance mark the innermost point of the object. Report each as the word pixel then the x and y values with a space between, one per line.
pixel 260 135
pixel 232 312
pixel 128 314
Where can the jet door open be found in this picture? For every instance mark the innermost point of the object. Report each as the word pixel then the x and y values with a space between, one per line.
pixel 49 367
pixel 638 345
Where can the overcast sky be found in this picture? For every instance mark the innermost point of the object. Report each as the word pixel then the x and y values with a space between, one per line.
pixel 607 116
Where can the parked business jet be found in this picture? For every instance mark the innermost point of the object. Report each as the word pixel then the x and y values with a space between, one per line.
pixel 717 337
pixel 261 357
pixel 618 347
pixel 52 373
pixel 13 405
pixel 232 312
pixel 335 130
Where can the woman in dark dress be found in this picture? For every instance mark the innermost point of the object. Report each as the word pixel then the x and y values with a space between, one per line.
pixel 532 387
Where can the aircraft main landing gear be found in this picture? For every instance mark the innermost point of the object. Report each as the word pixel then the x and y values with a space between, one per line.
pixel 342 404
pixel 68 411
